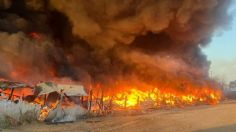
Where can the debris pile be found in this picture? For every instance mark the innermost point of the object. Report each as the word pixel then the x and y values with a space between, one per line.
pixel 47 101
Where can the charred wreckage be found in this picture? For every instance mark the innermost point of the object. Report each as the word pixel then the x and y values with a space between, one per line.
pixel 137 54
pixel 60 103
pixel 48 101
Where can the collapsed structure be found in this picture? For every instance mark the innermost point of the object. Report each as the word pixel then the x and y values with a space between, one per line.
pixel 52 102
pixel 60 103
pixel 126 52
pixel 48 101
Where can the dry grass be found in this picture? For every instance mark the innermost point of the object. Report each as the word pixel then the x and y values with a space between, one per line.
pixel 220 118
pixel 9 122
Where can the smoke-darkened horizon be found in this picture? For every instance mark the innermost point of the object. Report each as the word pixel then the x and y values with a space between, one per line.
pixel 106 41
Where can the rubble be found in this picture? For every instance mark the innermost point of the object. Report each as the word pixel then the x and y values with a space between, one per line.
pixel 47 101
pixel 65 108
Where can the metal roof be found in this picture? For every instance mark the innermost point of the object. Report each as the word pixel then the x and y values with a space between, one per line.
pixel 8 84
pixel 69 90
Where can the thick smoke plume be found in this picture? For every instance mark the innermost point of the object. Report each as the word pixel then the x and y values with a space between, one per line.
pixel 107 41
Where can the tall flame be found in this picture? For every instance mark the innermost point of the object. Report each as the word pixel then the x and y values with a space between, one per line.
pixel 134 97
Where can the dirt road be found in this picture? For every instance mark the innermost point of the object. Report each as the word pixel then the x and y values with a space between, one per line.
pixel 219 118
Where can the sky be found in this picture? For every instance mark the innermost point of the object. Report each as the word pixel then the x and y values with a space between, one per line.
pixel 222 51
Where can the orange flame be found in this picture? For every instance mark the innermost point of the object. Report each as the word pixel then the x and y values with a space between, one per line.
pixel 134 97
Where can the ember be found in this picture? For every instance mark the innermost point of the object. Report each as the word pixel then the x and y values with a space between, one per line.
pixel 36 36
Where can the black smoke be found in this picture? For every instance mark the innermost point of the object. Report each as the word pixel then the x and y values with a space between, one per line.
pixel 107 41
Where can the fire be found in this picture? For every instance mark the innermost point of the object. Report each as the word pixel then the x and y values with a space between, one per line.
pixel 122 97
pixel 44 112
pixel 157 97
pixel 36 36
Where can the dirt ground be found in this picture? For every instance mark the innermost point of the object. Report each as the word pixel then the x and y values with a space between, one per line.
pixel 219 118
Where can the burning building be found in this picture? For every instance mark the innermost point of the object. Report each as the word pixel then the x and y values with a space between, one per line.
pixel 126 52
pixel 46 101
pixel 60 103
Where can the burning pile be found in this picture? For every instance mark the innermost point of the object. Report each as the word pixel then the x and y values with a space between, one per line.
pixel 153 42
pixel 158 98
pixel 149 96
